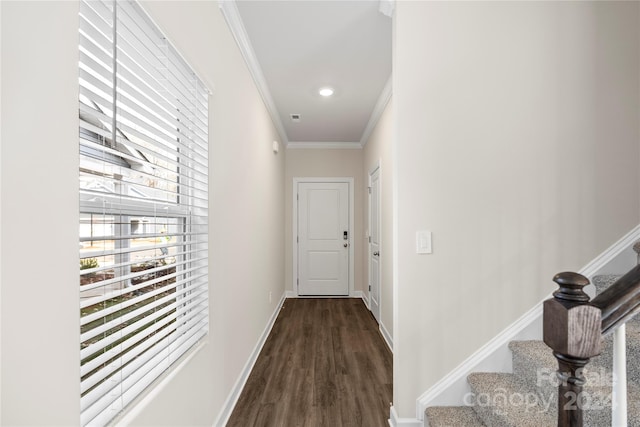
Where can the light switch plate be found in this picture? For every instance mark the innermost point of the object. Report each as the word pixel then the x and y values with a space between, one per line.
pixel 423 242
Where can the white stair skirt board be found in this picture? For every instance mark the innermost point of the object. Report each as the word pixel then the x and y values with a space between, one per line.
pixel 230 403
pixel 495 356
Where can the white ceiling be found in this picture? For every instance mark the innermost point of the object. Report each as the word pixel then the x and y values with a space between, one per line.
pixel 293 48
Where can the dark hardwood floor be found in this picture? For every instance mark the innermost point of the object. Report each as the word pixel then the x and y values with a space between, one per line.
pixel 324 364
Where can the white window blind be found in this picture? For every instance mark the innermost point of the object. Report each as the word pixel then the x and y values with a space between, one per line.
pixel 143 206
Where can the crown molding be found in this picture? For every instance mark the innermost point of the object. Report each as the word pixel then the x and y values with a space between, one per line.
pixel 325 145
pixel 234 21
pixel 383 100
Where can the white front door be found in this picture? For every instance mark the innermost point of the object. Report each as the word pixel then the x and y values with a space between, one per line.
pixel 323 238
pixel 374 244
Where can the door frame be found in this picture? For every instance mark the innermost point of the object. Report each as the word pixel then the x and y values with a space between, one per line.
pixel 294 228
pixel 376 168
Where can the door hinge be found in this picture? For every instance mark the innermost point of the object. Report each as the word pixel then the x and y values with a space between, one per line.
pixel 369 288
pixel 369 239
pixel 298 239
pixel 297 196
pixel 369 190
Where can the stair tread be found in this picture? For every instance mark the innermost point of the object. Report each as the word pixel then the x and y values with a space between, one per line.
pixel 535 350
pixel 536 354
pixel 603 281
pixel 452 416
pixel 500 399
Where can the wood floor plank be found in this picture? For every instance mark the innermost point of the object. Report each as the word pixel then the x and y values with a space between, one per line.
pixel 324 364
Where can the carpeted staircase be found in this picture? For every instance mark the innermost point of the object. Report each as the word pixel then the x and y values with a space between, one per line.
pixel 528 396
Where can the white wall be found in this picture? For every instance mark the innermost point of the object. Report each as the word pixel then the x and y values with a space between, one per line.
pixel 516 144
pixel 377 151
pixel 325 163
pixel 39 227
pixel 39 173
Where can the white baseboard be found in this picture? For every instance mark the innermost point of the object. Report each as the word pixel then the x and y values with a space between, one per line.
pixel 395 421
pixel 233 397
pixel 354 294
pixel 387 336
pixel 495 356
pixel 365 300
pixel 383 330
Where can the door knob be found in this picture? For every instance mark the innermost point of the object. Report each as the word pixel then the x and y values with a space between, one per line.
pixel 345 245
pixel 376 253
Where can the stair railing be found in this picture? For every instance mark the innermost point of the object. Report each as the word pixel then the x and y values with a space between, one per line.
pixel 574 326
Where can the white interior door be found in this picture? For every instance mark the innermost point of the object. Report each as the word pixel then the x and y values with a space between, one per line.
pixel 323 238
pixel 374 244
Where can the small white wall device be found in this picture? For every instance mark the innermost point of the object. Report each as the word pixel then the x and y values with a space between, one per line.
pixel 423 242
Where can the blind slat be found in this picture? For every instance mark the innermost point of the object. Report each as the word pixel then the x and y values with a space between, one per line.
pixel 108 296
pixel 139 205
pixel 133 341
pixel 124 319
pixel 131 72
pixel 186 162
pixel 152 365
pixel 99 15
pixel 88 302
pixel 133 327
pixel 152 55
pixel 131 348
pixel 140 129
pixel 128 264
pixel 96 63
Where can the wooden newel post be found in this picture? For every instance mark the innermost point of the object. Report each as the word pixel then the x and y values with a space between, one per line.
pixel 572 328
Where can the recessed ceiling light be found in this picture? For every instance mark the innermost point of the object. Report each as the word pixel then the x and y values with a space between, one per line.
pixel 326 91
